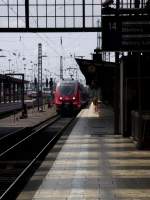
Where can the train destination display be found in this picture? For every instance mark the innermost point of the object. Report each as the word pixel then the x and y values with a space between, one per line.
pixel 126 33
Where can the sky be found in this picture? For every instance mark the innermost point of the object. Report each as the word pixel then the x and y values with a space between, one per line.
pixel 19 52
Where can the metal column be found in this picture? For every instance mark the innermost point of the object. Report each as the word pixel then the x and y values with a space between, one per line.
pixel 61 67
pixel 14 92
pixel 117 81
pixel 0 91
pixel 39 88
pixel 4 90
pixel 9 89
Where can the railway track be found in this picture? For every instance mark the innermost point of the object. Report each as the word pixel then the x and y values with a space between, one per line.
pixel 20 159
pixel 11 138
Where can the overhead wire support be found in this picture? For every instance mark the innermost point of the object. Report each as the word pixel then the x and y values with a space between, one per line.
pixel 39 88
pixel 61 68
pixel 98 35
pixel 61 62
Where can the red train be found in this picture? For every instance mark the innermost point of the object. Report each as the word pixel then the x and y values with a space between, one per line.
pixel 70 96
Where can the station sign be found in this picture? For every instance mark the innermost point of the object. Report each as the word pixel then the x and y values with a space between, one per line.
pixel 126 33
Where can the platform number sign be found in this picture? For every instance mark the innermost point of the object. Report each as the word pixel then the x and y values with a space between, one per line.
pixel 126 33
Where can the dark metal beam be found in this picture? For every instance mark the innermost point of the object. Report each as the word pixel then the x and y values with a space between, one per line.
pixel 83 13
pixel 33 30
pixel 126 11
pixel 27 13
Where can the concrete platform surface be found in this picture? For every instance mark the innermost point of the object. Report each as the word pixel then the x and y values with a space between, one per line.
pixel 92 164
pixel 34 117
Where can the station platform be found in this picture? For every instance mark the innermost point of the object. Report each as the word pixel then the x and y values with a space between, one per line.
pixel 34 117
pixel 11 107
pixel 91 163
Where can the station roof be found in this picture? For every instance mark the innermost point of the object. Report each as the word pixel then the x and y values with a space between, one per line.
pixel 92 70
pixel 11 79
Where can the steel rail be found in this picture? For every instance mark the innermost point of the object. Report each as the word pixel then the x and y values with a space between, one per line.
pixel 11 189
pixel 25 128
pixel 11 138
pixel 12 133
pixel 32 132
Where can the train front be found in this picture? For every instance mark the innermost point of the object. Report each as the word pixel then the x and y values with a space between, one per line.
pixel 67 97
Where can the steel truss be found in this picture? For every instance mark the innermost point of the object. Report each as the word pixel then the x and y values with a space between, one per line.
pixel 49 15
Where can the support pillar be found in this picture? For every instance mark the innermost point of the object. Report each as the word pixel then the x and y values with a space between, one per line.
pixel 0 91
pixel 117 80
pixel 4 90
pixel 117 96
pixel 9 91
pixel 121 97
pixel 17 91
pixel 14 91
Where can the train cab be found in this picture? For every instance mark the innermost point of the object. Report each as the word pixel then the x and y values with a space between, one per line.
pixel 69 96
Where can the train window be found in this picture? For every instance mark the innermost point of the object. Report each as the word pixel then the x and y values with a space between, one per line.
pixel 67 89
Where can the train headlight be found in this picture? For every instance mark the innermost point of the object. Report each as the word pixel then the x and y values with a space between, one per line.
pixel 60 98
pixel 73 98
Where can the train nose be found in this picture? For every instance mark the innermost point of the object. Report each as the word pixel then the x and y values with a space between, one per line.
pixel 66 98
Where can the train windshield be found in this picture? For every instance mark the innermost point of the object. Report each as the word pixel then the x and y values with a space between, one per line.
pixel 67 89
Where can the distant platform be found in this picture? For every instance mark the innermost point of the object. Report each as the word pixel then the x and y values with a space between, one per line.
pixel 34 117
pixel 10 107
